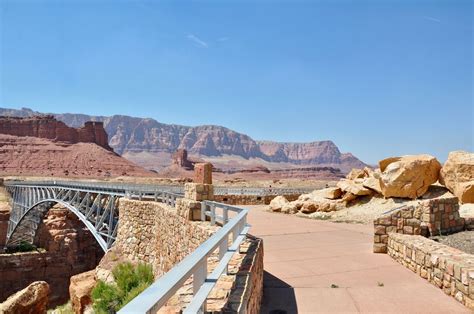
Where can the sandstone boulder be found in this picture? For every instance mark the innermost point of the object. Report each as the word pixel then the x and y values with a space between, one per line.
pixel 352 187
pixel 80 290
pixel 292 207
pixel 33 299
pixel 277 203
pixel 372 184
pixel 309 207
pixel 332 193
pixel 408 176
pixel 457 175
pixel 356 174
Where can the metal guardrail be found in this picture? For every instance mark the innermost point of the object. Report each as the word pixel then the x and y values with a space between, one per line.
pixel 222 190
pixel 102 186
pixel 195 264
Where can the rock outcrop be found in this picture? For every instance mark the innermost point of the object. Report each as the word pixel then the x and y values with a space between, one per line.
pixel 408 176
pixel 180 159
pixel 48 127
pixel 80 290
pixel 31 300
pixel 457 175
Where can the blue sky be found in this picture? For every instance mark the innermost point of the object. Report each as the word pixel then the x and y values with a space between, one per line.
pixel 379 78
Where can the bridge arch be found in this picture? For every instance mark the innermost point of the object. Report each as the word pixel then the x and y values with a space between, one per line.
pixel 15 235
pixel 96 208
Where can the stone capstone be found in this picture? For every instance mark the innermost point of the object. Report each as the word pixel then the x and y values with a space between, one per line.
pixel 31 300
pixel 203 173
pixel 408 176
pixel 457 175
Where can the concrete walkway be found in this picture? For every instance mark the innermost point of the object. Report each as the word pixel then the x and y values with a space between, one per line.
pixel 304 257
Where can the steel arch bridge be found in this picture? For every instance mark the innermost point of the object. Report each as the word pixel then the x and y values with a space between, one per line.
pixel 95 204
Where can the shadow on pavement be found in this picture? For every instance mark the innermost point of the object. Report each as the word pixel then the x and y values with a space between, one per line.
pixel 278 296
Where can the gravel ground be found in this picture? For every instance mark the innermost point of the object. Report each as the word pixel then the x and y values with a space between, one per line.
pixel 463 241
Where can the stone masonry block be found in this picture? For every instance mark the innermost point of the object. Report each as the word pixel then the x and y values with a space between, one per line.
pixel 203 173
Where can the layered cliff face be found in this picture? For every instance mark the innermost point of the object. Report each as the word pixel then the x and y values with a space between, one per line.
pixel 136 138
pixel 47 127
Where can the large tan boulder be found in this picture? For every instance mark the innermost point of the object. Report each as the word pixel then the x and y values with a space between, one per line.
pixel 332 193
pixel 353 187
pixel 80 290
pixel 31 300
pixel 457 175
pixel 277 203
pixel 408 176
pixel 356 174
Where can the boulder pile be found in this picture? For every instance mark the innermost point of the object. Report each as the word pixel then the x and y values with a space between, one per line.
pixel 406 177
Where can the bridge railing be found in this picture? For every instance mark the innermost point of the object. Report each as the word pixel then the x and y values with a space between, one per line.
pixel 260 191
pixel 233 221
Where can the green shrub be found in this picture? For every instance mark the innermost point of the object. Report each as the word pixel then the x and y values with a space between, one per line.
pixel 130 281
pixel 22 247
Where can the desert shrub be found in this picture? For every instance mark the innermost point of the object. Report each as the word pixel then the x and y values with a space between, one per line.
pixel 130 281
pixel 62 309
pixel 23 246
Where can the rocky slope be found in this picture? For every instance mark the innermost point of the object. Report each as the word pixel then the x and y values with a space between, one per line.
pixel 134 138
pixel 30 156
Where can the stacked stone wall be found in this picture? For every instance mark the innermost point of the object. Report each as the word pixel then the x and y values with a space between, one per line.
pixel 154 233
pixel 428 217
pixel 445 267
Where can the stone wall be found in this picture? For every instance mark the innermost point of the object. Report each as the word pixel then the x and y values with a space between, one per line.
pixel 68 249
pixel 247 292
pixel 251 199
pixel 154 233
pixel 447 268
pixel 428 217
pixel 238 291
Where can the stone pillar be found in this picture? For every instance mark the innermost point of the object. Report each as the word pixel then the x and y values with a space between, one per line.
pixel 203 173
pixel 200 190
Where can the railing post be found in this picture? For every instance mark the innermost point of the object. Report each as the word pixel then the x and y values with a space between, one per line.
pixel 225 215
pixel 203 211
pixel 199 277
pixel 222 250
pixel 213 215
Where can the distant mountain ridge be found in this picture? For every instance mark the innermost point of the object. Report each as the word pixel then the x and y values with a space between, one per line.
pixel 131 135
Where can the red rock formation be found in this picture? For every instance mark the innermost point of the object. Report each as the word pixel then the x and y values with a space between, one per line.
pixel 29 156
pixel 70 249
pixel 49 128
pixel 180 159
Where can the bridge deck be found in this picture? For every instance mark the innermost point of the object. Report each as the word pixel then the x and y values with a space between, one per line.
pixel 304 257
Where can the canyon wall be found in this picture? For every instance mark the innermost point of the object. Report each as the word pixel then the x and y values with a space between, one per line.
pixel 48 127
pixel 67 249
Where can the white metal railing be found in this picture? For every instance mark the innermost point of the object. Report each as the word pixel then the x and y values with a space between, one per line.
pixel 233 220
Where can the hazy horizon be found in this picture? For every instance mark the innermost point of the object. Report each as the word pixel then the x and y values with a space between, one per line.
pixel 377 79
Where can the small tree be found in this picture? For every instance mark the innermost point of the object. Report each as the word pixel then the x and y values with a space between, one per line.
pixel 130 281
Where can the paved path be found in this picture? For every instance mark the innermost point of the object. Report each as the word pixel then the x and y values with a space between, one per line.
pixel 304 257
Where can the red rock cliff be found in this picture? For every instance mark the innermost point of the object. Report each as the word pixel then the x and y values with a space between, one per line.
pixel 50 128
